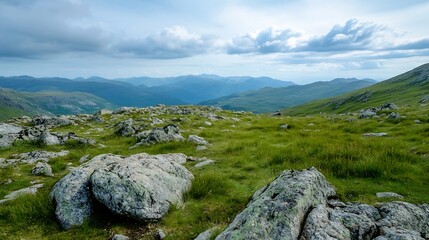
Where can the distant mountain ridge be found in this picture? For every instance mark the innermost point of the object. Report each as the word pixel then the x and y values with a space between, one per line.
pixel 272 99
pixel 405 89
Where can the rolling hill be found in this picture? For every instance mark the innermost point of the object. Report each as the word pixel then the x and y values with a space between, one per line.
pixel 407 88
pixel 14 104
pixel 272 99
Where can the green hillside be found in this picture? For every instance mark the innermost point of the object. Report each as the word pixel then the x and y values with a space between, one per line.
pixel 404 89
pixel 272 99
pixel 15 104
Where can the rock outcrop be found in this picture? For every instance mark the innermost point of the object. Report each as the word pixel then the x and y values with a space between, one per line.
pixel 168 133
pixel 278 210
pixel 296 205
pixel 140 186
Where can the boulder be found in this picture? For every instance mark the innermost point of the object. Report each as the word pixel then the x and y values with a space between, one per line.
pixel 393 115
pixel 368 113
pixel 141 187
pixel 125 128
pixel 39 156
pixel 72 194
pixel 388 106
pixel 197 140
pixel 8 134
pixel 168 133
pixel 278 210
pixel 318 226
pixel 42 169
pixel 48 121
pixel 120 237
pixel 359 225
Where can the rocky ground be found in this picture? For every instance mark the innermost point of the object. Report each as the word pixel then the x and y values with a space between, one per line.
pixel 145 187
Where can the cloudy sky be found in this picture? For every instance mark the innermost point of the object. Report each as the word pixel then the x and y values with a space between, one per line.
pixel 297 40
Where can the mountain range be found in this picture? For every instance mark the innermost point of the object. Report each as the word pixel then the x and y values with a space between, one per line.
pixel 272 99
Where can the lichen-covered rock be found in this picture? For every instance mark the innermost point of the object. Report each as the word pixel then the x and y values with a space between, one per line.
pixel 388 195
pixel 166 134
pixel 39 156
pixel 398 234
pixel 393 115
pixel 125 128
pixel 318 226
pixel 278 210
pixel 8 134
pixel 207 234
pixel 363 209
pixel 197 140
pixel 368 113
pixel 360 226
pixel 48 121
pixel 72 193
pixel 42 169
pixel 141 187
pixel 28 190
pixel 404 216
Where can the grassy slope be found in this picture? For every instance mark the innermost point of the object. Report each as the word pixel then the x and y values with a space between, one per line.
pixel 247 157
pixel 15 104
pixel 272 99
pixel 407 88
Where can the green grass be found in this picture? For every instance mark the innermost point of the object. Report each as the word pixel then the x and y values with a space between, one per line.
pixel 248 156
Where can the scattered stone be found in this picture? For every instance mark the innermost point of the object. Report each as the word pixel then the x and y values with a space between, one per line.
pixel 276 114
pixel 424 99
pixel 120 237
pixel 84 158
pixel 15 194
pixel 417 121
pixel 201 148
pixel 97 118
pixel 368 113
pixel 393 115
pixel 197 140
pixel 156 121
pixel 48 121
pixel 160 234
pixel 380 134
pixel 388 195
pixel 208 123
pixel 103 112
pixel 207 234
pixel 125 128
pixel 42 169
pixel 284 126
pixel 204 163
pixel 278 210
pixel 168 133
pixel 388 106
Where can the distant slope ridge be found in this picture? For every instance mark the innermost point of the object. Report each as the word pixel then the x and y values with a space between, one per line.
pixel 406 88
pixel 272 99
pixel 14 104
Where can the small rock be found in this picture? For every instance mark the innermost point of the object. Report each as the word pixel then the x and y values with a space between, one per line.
pixel 201 148
pixel 380 134
pixel 29 190
pixel 388 106
pixel 160 234
pixel 208 123
pixel 333 203
pixel 207 234
pixel 120 237
pixel 103 112
pixel 125 128
pixel 276 114
pixel 197 140
pixel 42 169
pixel 84 158
pixel 417 121
pixel 368 113
pixel 168 133
pixel 284 126
pixel 393 115
pixel 204 163
pixel 388 195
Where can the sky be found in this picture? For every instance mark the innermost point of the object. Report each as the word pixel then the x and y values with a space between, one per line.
pixel 295 40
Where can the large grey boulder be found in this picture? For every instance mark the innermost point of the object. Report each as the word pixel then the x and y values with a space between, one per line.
pixel 368 113
pixel 318 226
pixel 393 115
pixel 8 134
pixel 278 210
pixel 142 188
pixel 388 106
pixel 132 186
pixel 48 121
pixel 72 194
pixel 168 133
